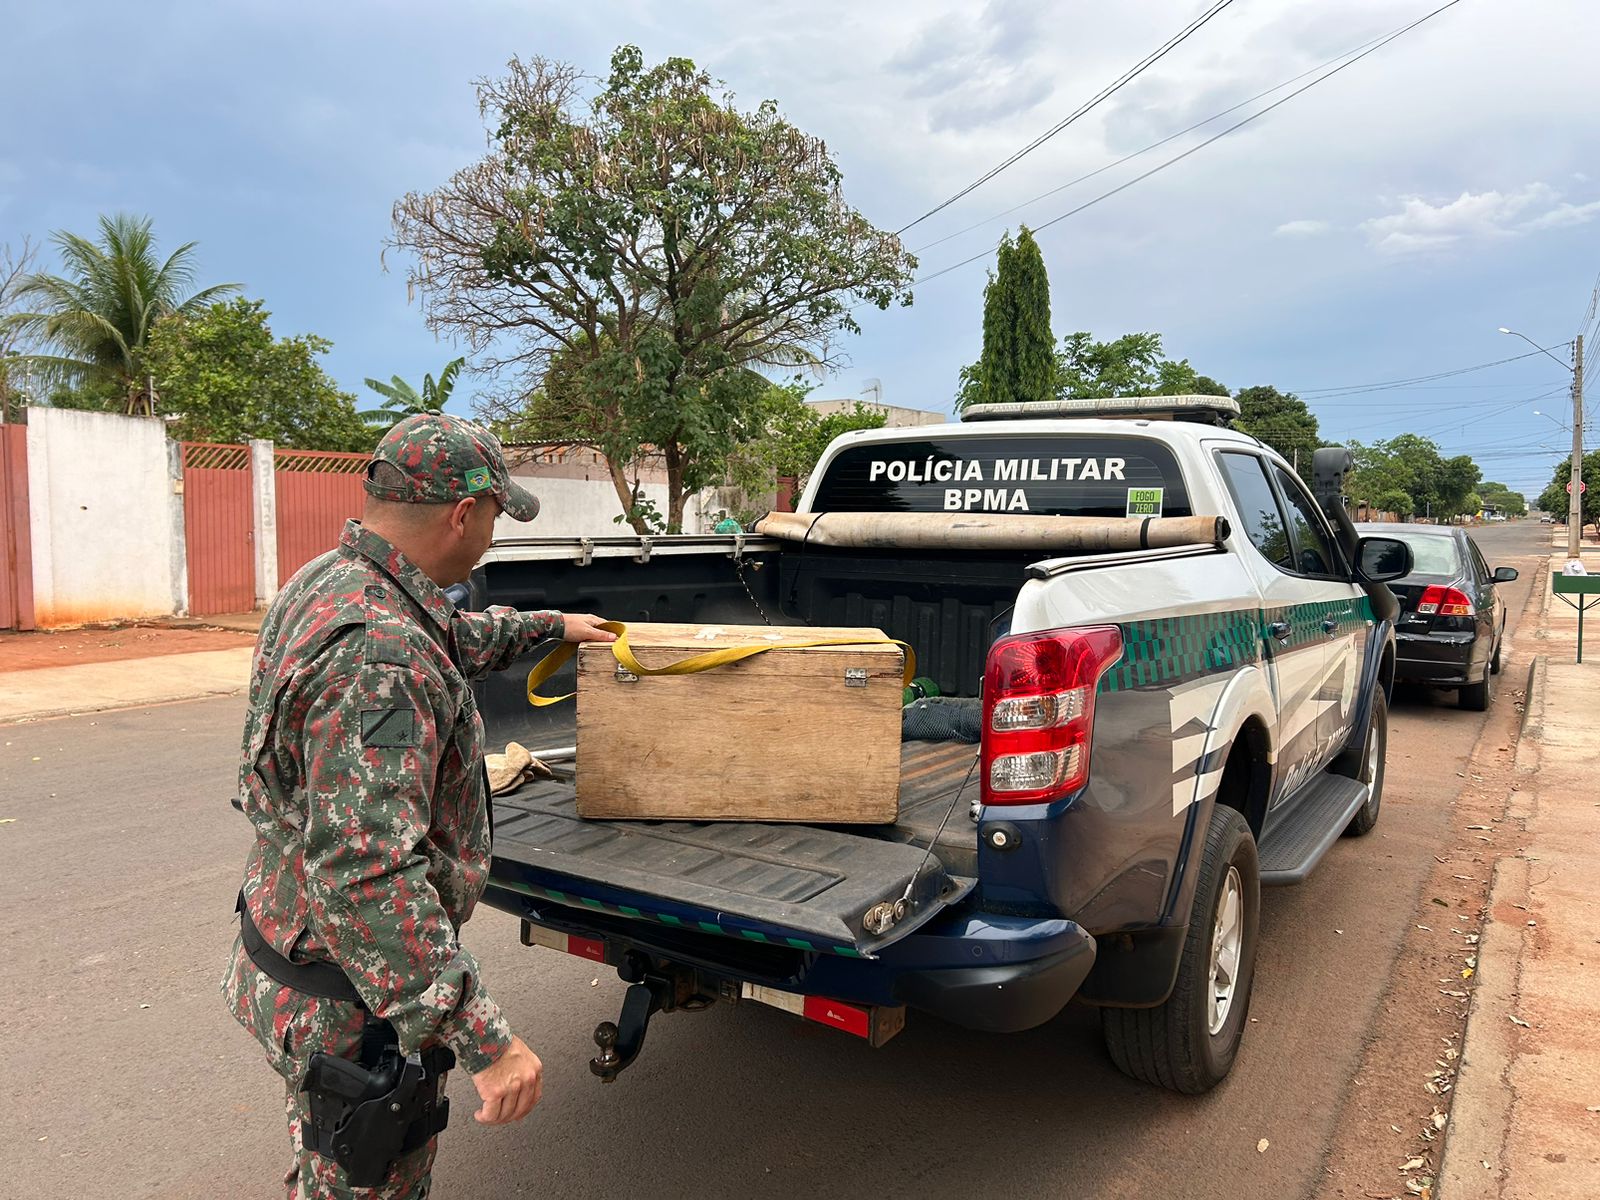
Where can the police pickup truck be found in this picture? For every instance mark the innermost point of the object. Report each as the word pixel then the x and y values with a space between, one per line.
pixel 1158 732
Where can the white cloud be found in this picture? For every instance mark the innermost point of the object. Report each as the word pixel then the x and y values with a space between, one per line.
pixel 1563 215
pixel 1301 229
pixel 1474 216
pixel 974 69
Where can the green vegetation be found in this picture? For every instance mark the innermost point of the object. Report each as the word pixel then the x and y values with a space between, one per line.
pixel 638 255
pixel 401 400
pixel 1407 475
pixel 792 440
pixel 1018 363
pixel 1554 499
pixel 1282 421
pixel 226 378
pixel 1131 365
pixel 1498 495
pixel 99 314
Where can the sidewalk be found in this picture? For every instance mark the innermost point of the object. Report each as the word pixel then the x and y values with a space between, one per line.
pixel 1526 1117
pixel 58 672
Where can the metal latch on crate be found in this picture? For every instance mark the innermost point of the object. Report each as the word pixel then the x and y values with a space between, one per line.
pixel 855 677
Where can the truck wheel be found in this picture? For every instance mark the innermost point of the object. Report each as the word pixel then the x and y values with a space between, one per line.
pixel 1476 697
pixel 1367 767
pixel 1189 1043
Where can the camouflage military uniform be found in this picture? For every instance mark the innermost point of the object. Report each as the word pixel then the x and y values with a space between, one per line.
pixel 361 773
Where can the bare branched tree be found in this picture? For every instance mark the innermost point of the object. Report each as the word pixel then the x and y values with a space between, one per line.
pixel 16 264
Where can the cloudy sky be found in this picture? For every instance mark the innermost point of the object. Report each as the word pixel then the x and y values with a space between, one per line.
pixel 1380 227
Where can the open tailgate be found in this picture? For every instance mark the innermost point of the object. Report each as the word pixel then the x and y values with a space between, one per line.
pixel 803 886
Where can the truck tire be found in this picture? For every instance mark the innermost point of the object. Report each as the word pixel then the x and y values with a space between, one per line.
pixel 1367 766
pixel 1476 697
pixel 1188 1044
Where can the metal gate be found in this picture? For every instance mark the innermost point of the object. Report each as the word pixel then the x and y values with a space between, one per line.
pixel 217 528
pixel 16 546
pixel 317 492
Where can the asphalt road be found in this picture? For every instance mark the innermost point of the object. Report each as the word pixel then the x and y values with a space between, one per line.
pixel 124 1076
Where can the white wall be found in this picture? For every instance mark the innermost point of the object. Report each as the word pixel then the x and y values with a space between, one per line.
pixel 107 543
pixel 585 508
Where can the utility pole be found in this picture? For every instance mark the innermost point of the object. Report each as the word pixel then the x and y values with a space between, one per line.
pixel 1575 501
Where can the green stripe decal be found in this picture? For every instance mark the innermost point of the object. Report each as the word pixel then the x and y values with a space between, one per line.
pixel 1169 650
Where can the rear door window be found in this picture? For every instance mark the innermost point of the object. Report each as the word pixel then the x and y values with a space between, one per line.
pixel 1258 508
pixel 1314 552
pixel 1068 475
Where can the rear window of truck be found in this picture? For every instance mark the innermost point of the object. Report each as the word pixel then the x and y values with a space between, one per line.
pixel 1066 476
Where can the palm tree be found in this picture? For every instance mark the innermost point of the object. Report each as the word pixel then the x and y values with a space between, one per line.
pixel 401 400
pixel 98 314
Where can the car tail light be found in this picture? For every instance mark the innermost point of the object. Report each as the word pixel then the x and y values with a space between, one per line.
pixel 1038 711
pixel 1445 601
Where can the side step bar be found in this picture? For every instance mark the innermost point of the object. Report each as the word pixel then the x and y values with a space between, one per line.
pixel 1296 841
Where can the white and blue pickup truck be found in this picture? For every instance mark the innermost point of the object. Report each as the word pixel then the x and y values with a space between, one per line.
pixel 1150 736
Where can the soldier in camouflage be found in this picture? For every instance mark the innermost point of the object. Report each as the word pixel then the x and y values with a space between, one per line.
pixel 361 774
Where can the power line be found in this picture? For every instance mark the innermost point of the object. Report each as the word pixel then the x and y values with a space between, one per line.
pixel 1202 145
pixel 1139 153
pixel 1413 408
pixel 1388 384
pixel 1100 97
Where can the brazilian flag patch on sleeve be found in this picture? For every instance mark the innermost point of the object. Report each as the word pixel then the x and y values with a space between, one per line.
pixel 388 727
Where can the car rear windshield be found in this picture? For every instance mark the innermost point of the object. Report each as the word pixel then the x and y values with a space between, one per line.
pixel 1433 553
pixel 1063 475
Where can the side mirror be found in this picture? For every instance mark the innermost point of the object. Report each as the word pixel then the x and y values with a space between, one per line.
pixel 1384 559
pixel 1504 574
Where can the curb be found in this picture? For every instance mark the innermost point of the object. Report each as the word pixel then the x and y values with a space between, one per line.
pixel 79 710
pixel 1471 1161
pixel 1532 721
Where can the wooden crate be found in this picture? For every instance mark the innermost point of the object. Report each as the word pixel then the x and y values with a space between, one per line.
pixel 790 735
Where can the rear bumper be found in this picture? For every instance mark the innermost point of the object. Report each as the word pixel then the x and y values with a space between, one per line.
pixel 1004 999
pixel 1436 658
pixel 984 971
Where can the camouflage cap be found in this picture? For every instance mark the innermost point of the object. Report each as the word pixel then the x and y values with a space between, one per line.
pixel 440 459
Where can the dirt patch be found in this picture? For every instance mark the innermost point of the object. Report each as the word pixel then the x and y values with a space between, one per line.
pixel 1392 1131
pixel 112 643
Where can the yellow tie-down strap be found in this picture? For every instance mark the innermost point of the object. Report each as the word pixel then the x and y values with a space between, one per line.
pixel 694 664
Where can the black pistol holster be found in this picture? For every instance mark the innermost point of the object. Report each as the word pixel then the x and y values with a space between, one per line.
pixel 368 1113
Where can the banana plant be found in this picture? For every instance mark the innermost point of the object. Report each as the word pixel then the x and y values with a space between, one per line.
pixel 401 400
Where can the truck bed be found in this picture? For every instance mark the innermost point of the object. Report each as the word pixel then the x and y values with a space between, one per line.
pixel 808 886
pixel 817 880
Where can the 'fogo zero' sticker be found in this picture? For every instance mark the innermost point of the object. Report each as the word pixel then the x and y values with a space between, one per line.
pixel 1144 501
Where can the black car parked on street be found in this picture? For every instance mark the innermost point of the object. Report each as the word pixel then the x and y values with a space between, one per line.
pixel 1451 615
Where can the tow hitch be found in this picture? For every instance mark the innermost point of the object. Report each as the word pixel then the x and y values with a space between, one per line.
pixel 651 991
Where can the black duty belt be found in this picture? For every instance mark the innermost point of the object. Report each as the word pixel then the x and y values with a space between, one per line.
pixel 321 979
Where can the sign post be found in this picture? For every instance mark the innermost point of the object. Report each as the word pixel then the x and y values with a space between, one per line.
pixel 1581 586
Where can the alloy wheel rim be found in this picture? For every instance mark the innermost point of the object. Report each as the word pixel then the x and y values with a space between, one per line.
pixel 1227 947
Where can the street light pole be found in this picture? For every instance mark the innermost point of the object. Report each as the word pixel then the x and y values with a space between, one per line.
pixel 1575 501
pixel 1575 484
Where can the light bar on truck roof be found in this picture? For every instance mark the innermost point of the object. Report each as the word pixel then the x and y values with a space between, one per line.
pixel 1211 410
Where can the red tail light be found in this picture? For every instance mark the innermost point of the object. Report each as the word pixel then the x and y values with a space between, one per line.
pixel 1445 601
pixel 1038 711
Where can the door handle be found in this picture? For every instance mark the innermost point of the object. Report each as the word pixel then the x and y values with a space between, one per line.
pixel 1279 630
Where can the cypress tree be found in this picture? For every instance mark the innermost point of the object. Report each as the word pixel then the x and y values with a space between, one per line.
pixel 1018 363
